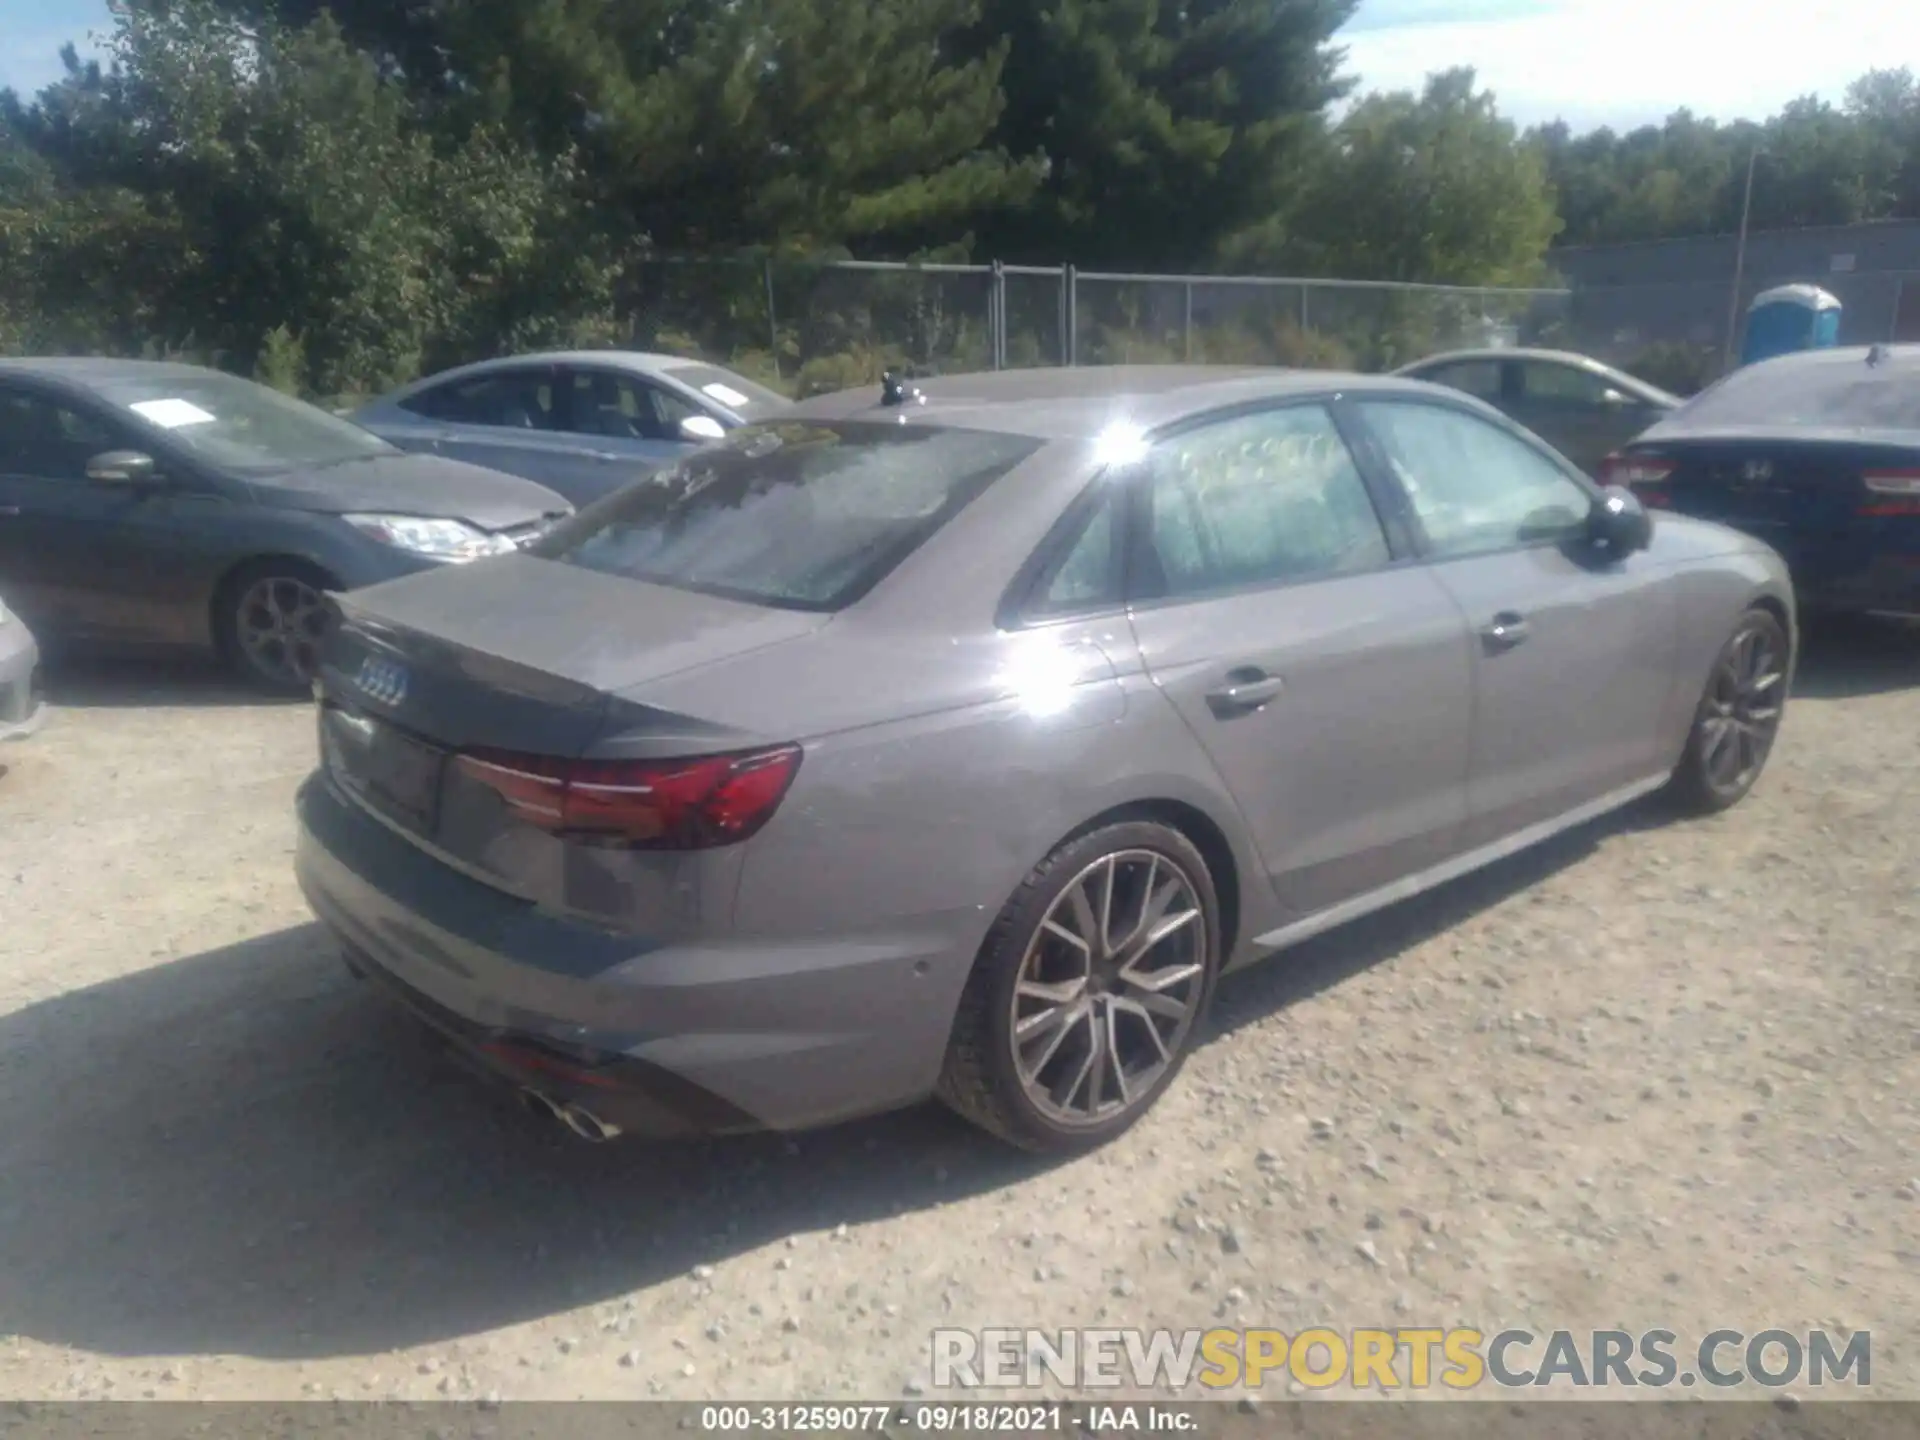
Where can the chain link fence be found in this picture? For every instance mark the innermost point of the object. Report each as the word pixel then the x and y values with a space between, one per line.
pixel 809 327
pixel 1676 335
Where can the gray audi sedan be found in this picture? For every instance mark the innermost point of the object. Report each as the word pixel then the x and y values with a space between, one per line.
pixel 955 742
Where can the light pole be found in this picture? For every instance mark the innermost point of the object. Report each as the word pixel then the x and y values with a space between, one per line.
pixel 1739 263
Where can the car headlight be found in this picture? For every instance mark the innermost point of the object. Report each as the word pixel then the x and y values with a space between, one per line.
pixel 438 539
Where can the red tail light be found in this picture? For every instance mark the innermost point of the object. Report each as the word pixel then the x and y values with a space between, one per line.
pixel 1634 470
pixel 695 804
pixel 1899 491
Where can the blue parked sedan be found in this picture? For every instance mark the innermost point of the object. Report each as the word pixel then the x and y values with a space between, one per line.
pixel 580 422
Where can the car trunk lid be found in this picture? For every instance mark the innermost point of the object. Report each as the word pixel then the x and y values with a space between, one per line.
pixel 515 656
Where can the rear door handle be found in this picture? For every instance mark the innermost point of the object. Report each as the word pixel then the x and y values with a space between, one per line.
pixel 1506 630
pixel 1248 688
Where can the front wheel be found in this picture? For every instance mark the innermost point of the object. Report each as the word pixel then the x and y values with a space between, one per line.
pixel 271 618
pixel 1088 992
pixel 1738 718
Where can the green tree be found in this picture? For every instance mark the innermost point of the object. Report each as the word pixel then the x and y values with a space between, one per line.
pixel 1163 125
pixel 1429 188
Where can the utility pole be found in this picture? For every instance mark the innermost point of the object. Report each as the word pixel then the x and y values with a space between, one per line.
pixel 1739 263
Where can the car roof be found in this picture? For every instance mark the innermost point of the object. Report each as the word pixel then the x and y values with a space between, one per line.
pixel 1078 403
pixel 1839 357
pixel 645 362
pixel 91 370
pixel 1542 356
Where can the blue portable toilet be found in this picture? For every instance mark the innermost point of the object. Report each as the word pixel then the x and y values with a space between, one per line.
pixel 1789 318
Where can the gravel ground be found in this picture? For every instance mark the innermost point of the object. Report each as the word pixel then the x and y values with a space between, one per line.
pixel 1656 1074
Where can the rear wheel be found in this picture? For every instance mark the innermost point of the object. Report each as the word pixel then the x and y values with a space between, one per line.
pixel 271 617
pixel 1738 718
pixel 1088 992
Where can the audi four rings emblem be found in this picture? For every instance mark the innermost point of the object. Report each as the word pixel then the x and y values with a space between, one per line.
pixel 1756 470
pixel 381 680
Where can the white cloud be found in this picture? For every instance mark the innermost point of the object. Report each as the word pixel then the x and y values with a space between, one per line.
pixel 1631 62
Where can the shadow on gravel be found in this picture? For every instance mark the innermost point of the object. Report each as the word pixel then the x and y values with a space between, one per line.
pixel 247 1152
pixel 90 683
pixel 1846 657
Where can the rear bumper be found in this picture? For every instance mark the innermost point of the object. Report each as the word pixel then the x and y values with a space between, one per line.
pixel 694 1036
pixel 21 709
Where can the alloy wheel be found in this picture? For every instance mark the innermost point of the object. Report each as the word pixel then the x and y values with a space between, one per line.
pixel 279 624
pixel 1109 987
pixel 1741 714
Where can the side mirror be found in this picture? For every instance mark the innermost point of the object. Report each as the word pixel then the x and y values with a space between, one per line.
pixel 1619 522
pixel 123 467
pixel 702 428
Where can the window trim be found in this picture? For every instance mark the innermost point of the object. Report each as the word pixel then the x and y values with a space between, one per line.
pixel 1375 457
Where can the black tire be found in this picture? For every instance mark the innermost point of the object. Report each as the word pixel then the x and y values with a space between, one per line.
pixel 237 617
pixel 981 1079
pixel 1736 693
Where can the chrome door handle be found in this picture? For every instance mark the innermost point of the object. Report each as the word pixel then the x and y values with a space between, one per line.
pixel 1248 688
pixel 1506 631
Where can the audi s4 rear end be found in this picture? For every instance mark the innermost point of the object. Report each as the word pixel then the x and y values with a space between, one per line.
pixel 596 814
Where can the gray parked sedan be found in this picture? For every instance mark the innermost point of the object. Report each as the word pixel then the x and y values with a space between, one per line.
pixel 166 506
pixel 583 422
pixel 1585 409
pixel 957 745
pixel 20 709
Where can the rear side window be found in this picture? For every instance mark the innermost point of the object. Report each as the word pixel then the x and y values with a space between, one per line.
pixel 1265 499
pixel 1479 378
pixel 1839 394
pixel 802 516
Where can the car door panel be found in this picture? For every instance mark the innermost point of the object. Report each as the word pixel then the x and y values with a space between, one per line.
pixel 1571 645
pixel 102 563
pixel 1568 708
pixel 1330 686
pixel 1353 773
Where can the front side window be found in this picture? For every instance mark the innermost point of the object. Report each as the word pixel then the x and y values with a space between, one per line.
pixel 1479 378
pixel 616 406
pixel 1567 385
pixel 1473 486
pixel 800 515
pixel 1263 499
pixel 47 440
pixel 508 399
pixel 723 387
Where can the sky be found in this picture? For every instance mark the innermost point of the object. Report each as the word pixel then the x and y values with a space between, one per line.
pixel 1590 62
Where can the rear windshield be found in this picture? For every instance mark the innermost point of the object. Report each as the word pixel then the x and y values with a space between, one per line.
pixel 736 392
pixel 802 516
pixel 1839 395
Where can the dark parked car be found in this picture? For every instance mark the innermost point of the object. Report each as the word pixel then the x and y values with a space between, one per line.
pixel 1818 454
pixel 584 422
pixel 1582 408
pixel 955 746
pixel 153 505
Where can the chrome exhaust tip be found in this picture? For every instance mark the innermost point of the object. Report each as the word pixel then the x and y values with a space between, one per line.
pixel 587 1125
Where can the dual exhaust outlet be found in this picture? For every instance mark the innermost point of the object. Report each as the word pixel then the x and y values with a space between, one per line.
pixel 577 1118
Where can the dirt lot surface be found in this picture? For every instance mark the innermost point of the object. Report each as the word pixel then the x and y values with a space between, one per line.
pixel 1658 1074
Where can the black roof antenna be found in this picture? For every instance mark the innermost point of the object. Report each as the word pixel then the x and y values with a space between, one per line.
pixel 895 391
pixel 1877 355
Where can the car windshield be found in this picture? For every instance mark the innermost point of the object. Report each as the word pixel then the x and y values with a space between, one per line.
pixel 236 425
pixel 736 392
pixel 804 516
pixel 1825 394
